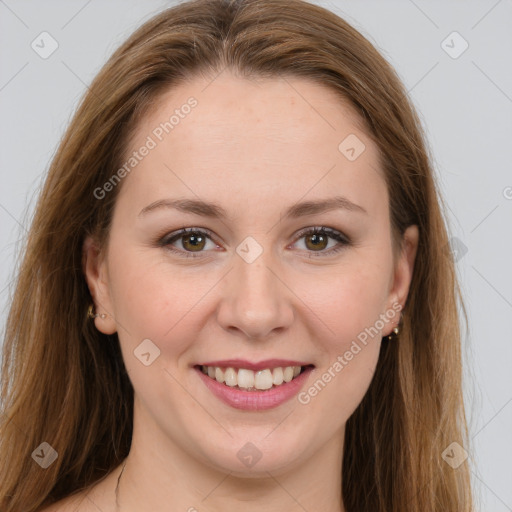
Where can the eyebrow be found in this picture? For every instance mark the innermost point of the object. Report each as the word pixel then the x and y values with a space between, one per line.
pixel 215 211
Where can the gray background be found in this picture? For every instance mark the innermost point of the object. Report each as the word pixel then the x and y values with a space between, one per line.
pixel 465 104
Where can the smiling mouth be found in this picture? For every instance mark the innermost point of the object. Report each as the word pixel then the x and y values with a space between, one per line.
pixel 249 380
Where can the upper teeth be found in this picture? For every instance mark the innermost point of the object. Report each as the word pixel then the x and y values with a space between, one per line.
pixel 247 379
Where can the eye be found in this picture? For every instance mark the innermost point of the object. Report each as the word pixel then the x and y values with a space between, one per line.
pixel 317 238
pixel 194 241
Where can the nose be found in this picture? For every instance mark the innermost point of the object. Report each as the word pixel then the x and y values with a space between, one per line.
pixel 256 301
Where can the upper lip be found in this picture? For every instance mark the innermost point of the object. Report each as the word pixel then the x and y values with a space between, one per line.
pixel 261 365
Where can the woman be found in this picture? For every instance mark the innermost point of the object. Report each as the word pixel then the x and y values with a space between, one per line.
pixel 236 290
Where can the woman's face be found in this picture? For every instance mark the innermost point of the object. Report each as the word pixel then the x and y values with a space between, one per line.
pixel 253 283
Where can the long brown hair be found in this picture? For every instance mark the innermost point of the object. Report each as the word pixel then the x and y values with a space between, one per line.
pixel 65 383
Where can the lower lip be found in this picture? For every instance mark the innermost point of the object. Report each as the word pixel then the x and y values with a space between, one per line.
pixel 255 400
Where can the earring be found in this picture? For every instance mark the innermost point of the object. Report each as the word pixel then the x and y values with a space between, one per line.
pixel 90 314
pixel 396 330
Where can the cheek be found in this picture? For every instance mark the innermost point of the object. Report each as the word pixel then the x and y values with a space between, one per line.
pixel 348 353
pixel 334 392
pixel 350 303
pixel 159 300
pixel 346 302
pixel 154 301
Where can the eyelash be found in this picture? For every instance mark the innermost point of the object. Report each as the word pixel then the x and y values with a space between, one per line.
pixel 343 240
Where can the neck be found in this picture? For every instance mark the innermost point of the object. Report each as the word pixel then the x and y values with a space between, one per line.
pixel 160 474
pixel 117 486
pixel 306 488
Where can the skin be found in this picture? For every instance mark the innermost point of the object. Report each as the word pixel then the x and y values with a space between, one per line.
pixel 255 148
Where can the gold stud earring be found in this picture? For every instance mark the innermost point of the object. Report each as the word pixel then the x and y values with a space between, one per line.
pixel 90 313
pixel 395 331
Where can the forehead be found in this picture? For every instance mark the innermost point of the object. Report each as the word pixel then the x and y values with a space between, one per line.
pixel 239 141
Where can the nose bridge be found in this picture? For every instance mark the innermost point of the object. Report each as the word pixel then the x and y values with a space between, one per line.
pixel 257 280
pixel 256 301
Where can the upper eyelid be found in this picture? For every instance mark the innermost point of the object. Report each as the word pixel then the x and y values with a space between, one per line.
pixel 322 229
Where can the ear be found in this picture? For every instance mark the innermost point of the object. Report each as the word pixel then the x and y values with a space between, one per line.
pixel 94 267
pixel 402 274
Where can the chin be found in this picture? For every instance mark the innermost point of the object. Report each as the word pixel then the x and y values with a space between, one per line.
pixel 254 453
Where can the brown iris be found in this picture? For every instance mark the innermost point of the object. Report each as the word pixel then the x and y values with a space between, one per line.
pixel 318 241
pixel 196 241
